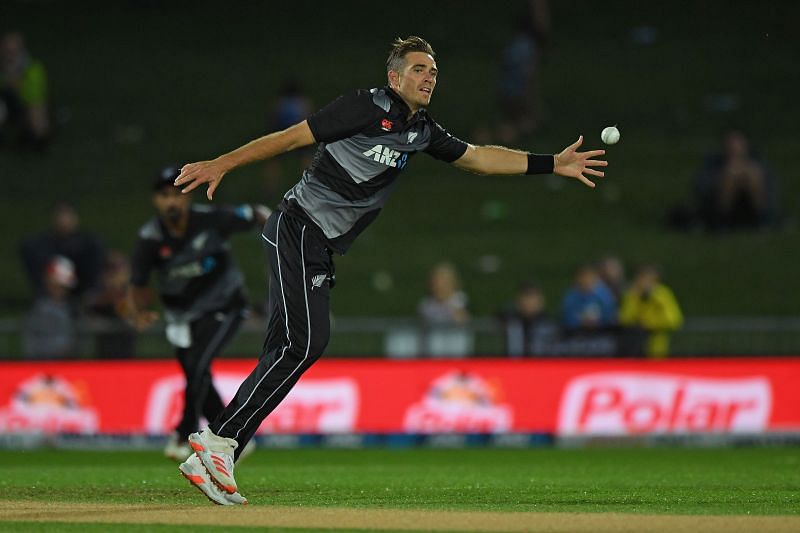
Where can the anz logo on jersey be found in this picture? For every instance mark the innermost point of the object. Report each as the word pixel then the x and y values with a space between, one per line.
pixel 385 155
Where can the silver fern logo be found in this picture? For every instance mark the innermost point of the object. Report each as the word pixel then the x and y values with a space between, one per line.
pixel 317 281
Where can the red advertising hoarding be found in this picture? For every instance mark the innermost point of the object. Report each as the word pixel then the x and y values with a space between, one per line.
pixel 562 397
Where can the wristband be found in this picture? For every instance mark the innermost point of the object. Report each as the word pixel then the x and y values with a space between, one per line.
pixel 540 164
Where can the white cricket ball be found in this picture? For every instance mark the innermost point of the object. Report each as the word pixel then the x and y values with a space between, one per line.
pixel 610 135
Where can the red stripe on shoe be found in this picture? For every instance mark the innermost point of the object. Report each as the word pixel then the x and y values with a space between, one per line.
pixel 230 489
pixel 195 478
pixel 212 500
pixel 227 488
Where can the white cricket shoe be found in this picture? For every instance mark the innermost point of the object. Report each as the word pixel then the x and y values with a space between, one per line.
pixel 216 454
pixel 177 450
pixel 194 471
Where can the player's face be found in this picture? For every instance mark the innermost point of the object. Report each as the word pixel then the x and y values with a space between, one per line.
pixel 417 80
pixel 171 204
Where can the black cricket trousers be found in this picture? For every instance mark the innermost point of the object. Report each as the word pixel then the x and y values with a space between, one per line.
pixel 210 333
pixel 299 325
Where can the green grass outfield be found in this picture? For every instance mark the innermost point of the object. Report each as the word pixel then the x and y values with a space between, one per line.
pixel 761 481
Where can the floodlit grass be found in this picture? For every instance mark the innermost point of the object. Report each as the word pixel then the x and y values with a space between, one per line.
pixel 654 481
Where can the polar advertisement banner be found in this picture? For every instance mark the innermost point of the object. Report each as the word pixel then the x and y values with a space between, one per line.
pixel 562 397
pixel 620 403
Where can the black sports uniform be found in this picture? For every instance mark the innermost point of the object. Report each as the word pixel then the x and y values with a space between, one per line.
pixel 202 292
pixel 366 139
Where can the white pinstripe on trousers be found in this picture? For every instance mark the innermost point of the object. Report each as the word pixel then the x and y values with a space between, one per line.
pixel 288 336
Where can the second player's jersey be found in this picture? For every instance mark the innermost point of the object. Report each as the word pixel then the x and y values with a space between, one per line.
pixel 196 272
pixel 366 139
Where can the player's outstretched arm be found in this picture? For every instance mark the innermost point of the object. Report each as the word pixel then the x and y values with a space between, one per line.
pixel 499 160
pixel 195 174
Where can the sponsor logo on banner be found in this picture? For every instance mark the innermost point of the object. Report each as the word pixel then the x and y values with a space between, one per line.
pixel 312 406
pixel 459 402
pixel 624 403
pixel 49 404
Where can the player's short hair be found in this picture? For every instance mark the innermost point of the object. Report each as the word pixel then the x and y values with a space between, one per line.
pixel 401 47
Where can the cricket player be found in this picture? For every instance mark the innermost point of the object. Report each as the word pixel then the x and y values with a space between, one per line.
pixel 366 139
pixel 201 288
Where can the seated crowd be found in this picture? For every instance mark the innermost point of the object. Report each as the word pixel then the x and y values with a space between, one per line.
pixel 601 314
pixel 76 280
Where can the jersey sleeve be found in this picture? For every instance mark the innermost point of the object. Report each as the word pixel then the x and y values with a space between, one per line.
pixel 142 261
pixel 443 145
pixel 232 219
pixel 344 117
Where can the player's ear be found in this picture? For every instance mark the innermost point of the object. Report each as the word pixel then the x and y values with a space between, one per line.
pixel 394 79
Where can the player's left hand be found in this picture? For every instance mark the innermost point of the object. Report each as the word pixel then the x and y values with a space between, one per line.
pixel 573 164
pixel 195 174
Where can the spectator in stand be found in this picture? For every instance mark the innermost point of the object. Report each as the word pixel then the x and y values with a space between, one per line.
pixel 444 314
pixel 519 84
pixel 107 307
pixel 527 327
pixel 446 303
pixel 733 190
pixel 612 272
pixel 589 304
pixel 49 330
pixel 651 306
pixel 65 238
pixel 23 93
pixel 292 107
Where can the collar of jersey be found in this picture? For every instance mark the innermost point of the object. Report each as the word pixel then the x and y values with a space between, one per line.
pixel 397 99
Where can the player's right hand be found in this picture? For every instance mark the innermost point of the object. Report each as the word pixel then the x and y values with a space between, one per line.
pixel 574 164
pixel 195 174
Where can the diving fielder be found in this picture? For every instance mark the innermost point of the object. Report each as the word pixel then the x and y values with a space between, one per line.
pixel 366 139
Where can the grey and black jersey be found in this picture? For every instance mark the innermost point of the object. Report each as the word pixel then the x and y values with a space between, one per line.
pixel 366 139
pixel 196 272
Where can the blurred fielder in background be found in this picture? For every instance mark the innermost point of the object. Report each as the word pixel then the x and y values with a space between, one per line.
pixel 200 286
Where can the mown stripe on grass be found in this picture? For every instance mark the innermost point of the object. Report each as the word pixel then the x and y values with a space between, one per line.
pixel 381 519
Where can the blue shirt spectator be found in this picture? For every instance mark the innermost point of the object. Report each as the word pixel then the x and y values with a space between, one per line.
pixel 589 304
